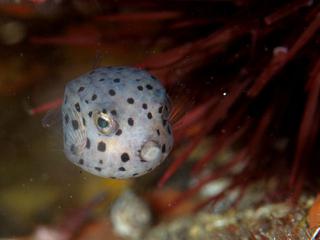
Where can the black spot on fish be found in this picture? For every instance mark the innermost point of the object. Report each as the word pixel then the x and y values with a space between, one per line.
pixel 75 124
pixel 130 121
pixel 130 100
pixel 164 122
pixel 73 149
pixel 83 122
pixel 77 106
pixel 114 112
pixel 122 169
pixel 88 143
pixel 140 88
pixel 116 80
pixel 148 86
pixel 119 132
pixel 125 157
pixel 101 161
pixel 163 148
pixel 81 161
pixel 112 92
pixel 144 106
pixel 66 118
pixel 160 109
pixel 98 169
pixel 158 132
pixel 94 97
pixel 149 115
pixel 80 89
pixel 101 146
pixel 90 114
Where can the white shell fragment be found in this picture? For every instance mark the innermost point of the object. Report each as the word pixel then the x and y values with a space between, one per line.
pixel 130 216
pixel 115 122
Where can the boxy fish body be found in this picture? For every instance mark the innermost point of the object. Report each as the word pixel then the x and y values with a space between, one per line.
pixel 115 122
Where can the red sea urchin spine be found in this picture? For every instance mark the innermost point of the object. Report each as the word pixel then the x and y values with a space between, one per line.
pixel 46 106
pixel 287 10
pixel 307 132
pixel 194 116
pixel 242 156
pixel 279 60
pixel 217 114
pixel 190 55
pixel 276 63
pixel 309 127
pixel 219 145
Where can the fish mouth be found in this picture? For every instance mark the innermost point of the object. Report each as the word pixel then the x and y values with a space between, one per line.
pixel 150 151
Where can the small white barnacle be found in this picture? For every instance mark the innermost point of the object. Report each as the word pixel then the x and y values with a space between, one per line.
pixel 151 151
pixel 116 122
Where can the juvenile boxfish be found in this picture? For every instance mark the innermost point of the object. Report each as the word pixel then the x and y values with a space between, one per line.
pixel 115 122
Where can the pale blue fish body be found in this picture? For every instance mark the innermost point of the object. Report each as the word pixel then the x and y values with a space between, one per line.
pixel 115 122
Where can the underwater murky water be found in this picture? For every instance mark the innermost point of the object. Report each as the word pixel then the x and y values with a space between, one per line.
pixel 37 183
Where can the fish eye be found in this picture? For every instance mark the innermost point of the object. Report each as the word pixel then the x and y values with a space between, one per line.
pixel 105 123
pixel 102 123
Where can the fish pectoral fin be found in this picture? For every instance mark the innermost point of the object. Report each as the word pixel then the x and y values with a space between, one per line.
pixel 75 132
